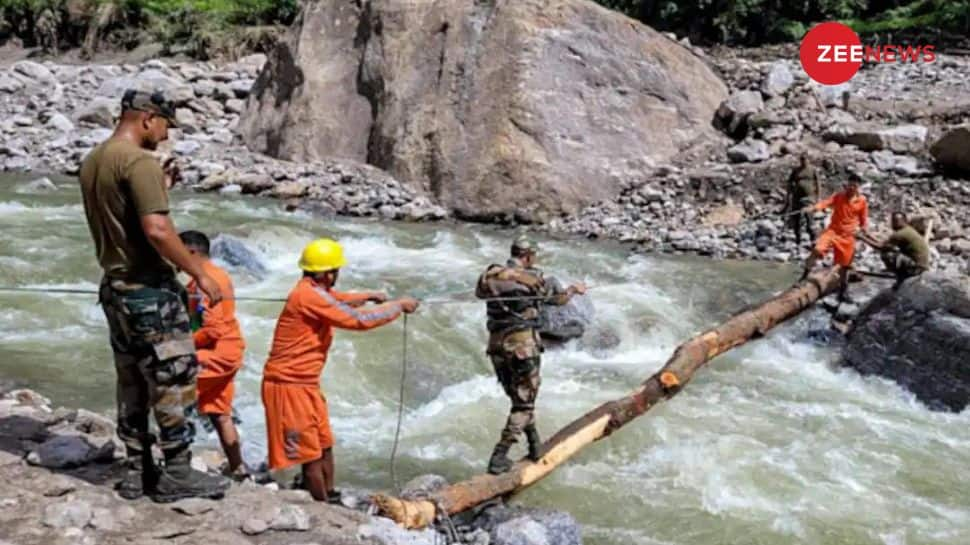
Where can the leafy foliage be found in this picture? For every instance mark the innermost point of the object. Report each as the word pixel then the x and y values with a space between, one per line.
pixel 759 21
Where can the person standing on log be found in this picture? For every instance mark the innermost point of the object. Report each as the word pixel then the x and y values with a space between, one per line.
pixel 126 203
pixel 905 253
pixel 803 190
pixel 850 214
pixel 514 294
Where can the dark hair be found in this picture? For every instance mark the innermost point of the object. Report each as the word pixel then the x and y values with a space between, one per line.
pixel 900 215
pixel 196 240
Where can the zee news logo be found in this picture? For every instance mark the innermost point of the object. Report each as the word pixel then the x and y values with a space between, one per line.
pixel 831 53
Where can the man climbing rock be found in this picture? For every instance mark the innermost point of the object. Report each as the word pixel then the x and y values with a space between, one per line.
pixel 850 213
pixel 514 345
pixel 126 203
pixel 803 190
pixel 219 347
pixel 905 253
pixel 297 420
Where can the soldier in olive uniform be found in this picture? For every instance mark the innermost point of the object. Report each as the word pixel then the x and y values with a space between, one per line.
pixel 514 294
pixel 803 191
pixel 905 253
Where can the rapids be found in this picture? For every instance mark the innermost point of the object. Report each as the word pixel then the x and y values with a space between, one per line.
pixel 770 444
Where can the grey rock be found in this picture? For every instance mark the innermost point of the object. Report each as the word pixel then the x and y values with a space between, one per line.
pixel 222 136
pixel 950 150
pixel 241 88
pixel 235 106
pixel 918 336
pixel 749 151
pixel 66 451
pixel 422 485
pixel 68 514
pixel 255 526
pixel 385 532
pixel 194 506
pixel 231 189
pixel 10 84
pixel 778 80
pixel 100 111
pixel 872 137
pixel 60 122
pixel 732 115
pixel 832 95
pixel 58 486
pixel 186 146
pixel 204 88
pixel 520 531
pixel 569 321
pixel 291 518
pixel 234 253
pixel 23 120
pixel 104 520
pixel 186 120
pixel 36 72
pixel 549 104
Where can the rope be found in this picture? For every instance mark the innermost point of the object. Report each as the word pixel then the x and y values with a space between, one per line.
pixel 400 404
pixel 72 291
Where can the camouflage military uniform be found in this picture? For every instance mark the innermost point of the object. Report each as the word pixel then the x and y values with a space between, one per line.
pixel 514 346
pixel 155 359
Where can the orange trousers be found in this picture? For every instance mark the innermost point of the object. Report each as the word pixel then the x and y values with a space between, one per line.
pixel 297 423
pixel 841 245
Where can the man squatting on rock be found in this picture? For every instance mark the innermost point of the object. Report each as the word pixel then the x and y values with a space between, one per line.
pixel 514 345
pixel 906 253
pixel 125 193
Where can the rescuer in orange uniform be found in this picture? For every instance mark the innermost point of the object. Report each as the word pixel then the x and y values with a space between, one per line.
pixel 850 214
pixel 219 348
pixel 297 421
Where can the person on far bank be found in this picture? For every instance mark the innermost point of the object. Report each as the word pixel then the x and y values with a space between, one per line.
pixel 219 348
pixel 126 204
pixel 514 295
pixel 802 191
pixel 850 214
pixel 297 418
pixel 905 253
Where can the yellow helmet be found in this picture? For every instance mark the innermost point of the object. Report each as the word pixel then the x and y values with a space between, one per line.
pixel 322 255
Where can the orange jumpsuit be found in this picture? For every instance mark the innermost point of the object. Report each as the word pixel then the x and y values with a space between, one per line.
pixel 297 419
pixel 848 215
pixel 218 343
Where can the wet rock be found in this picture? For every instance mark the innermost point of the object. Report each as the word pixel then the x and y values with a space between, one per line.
pixel 778 80
pixel 918 336
pixel 513 525
pixel 872 137
pixel 749 151
pixel 423 485
pixel 520 531
pixel 68 514
pixel 40 185
pixel 385 532
pixel 67 451
pixel 569 321
pixel 233 252
pixel 732 115
pixel 950 150
pixel 599 341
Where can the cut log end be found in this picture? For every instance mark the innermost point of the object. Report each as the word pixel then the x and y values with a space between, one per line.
pixel 411 514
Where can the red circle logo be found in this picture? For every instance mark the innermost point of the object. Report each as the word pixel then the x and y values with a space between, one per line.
pixel 831 53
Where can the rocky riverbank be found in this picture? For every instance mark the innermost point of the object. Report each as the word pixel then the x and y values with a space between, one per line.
pixel 714 198
pixel 57 468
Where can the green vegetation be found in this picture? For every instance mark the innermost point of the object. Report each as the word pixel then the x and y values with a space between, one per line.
pixel 754 22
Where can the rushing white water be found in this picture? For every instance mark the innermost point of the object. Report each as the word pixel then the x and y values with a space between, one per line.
pixel 770 444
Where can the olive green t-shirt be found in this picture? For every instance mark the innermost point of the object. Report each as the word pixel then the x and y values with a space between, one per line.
pixel 912 244
pixel 802 181
pixel 120 183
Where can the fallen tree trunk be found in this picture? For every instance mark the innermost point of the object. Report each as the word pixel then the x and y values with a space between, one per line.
pixel 748 324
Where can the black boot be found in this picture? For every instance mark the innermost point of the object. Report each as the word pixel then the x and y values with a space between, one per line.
pixel 140 474
pixel 499 462
pixel 535 443
pixel 178 481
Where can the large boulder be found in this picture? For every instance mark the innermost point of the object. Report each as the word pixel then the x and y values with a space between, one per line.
pixel 569 321
pixel 498 109
pixel 732 115
pixel 873 137
pixel 234 252
pixel 950 150
pixel 918 336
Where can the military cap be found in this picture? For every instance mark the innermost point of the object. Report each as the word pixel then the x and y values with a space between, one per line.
pixel 524 244
pixel 153 103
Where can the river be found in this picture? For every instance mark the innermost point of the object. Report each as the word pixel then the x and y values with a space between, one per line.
pixel 770 444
